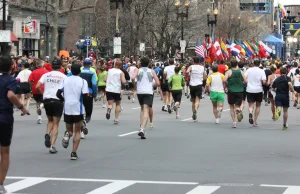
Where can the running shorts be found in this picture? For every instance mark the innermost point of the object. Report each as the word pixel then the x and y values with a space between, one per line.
pixel 131 86
pixel 165 87
pixel 53 107
pixel 282 100
pixel 38 98
pixel 217 96
pixel 177 94
pixel 24 88
pixel 255 97
pixel 72 119
pixel 196 91
pixel 235 98
pixel 297 89
pixel 6 132
pixel 113 96
pixel 145 99
pixel 101 88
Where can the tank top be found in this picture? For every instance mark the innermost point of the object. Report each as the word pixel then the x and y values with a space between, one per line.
pixel 235 81
pixel 113 82
pixel 196 75
pixel 144 81
pixel 216 83
pixel 131 72
pixel 296 81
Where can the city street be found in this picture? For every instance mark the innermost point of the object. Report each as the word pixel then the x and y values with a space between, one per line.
pixel 178 156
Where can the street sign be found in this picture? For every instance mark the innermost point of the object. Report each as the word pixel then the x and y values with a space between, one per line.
pixel 182 46
pixel 117 50
pixel 5 36
pixel 88 40
pixel 117 41
pixel 142 47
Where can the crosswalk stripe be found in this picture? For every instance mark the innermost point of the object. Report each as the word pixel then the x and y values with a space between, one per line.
pixel 23 184
pixel 204 190
pixel 292 190
pixel 112 187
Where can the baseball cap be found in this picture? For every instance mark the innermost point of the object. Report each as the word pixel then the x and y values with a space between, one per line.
pixel 56 63
pixel 75 69
pixel 87 60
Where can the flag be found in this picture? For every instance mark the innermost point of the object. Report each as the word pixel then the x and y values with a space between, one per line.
pixel 249 53
pixel 268 49
pixel 216 52
pixel 224 50
pixel 243 52
pixel 235 49
pixel 200 49
pixel 228 46
pixel 254 47
pixel 282 11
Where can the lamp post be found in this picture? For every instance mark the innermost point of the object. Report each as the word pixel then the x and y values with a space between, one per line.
pixel 182 15
pixel 212 22
pixel 117 39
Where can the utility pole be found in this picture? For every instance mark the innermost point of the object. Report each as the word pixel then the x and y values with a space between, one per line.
pixel 4 15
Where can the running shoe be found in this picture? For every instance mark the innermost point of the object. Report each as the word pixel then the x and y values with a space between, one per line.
pixel 84 129
pixel 100 98
pixel 151 125
pixel 66 139
pixel 298 106
pixel 295 103
pixel 108 114
pixel 185 94
pixel 47 141
pixel 285 127
pixel 255 125
pixel 104 106
pixel 234 125
pixel 194 115
pixel 142 134
pixel 175 108
pixel 266 103
pixel 240 115
pixel 42 105
pixel 39 121
pixel 133 100
pixel 2 189
pixel 116 122
pixel 219 114
pixel 74 156
pixel 52 150
pixel 39 111
pixel 277 114
pixel 251 119
pixel 273 118
pixel 122 108
pixel 177 116
pixel 217 120
pixel 82 136
pixel 188 96
pixel 87 119
pixel 169 109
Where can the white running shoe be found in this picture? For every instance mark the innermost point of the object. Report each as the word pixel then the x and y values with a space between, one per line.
pixel 42 105
pixel 104 106
pixel 82 136
pixel 39 121
pixel 217 121
pixel 122 108
pixel 133 100
pixel 2 189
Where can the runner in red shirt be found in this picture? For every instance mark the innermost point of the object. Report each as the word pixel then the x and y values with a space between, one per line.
pixel 222 67
pixel 33 79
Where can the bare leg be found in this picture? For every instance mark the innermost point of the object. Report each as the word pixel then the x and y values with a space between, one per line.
pixel 285 116
pixel 76 139
pixel 54 132
pixel 272 107
pixel 49 125
pixel 257 111
pixel 118 109
pixel 232 113
pixel 27 101
pixel 215 109
pixel 151 115
pixel 145 116
pixel 4 164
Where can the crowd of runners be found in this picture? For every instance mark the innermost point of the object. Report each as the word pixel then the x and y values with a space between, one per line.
pixel 69 88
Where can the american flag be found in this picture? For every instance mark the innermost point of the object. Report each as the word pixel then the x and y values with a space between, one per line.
pixel 200 49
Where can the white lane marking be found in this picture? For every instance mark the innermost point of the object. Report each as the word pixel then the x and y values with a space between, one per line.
pixel 278 186
pixel 290 189
pixel 23 184
pixel 204 190
pixel 112 187
pixel 187 119
pixel 136 108
pixel 128 133
pixel 226 110
pixel 106 180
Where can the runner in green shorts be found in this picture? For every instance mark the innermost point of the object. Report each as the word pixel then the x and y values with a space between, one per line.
pixel 215 85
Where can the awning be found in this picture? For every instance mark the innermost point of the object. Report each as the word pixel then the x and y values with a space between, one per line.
pixel 13 37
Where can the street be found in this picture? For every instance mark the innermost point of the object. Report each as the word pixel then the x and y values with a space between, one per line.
pixel 178 156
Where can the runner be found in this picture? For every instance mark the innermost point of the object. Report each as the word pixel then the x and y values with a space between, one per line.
pixel 297 86
pixel 272 93
pixel 24 91
pixel 132 83
pixel 8 99
pixel 145 93
pixel 74 88
pixel 48 85
pixel 187 81
pixel 177 83
pixel 292 74
pixel 114 80
pixel 34 78
pixel 197 76
pixel 256 78
pixel 102 84
pixel 236 80
pixel 215 84
pixel 283 85
pixel 168 72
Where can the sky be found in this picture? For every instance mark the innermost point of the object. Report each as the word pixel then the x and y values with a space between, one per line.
pixel 287 2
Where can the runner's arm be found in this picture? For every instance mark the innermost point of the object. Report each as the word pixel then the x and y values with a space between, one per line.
pixel 155 78
pixel 135 74
pixel 123 80
pixel 14 100
pixel 59 95
pixel 244 78
pixel 291 87
pixel 38 87
pixel 94 85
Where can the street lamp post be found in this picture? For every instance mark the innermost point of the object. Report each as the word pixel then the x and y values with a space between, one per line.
pixel 182 15
pixel 117 35
pixel 212 22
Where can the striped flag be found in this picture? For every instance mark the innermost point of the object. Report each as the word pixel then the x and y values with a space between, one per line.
pixel 200 49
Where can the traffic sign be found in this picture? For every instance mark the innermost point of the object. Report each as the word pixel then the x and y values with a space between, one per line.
pixel 117 41
pixel 182 46
pixel 5 36
pixel 88 40
pixel 142 47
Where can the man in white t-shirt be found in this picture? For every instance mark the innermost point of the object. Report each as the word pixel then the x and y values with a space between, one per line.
pixel 74 89
pixel 114 80
pixel 53 106
pixel 256 79
pixel 292 74
pixel 132 83
pixel 168 72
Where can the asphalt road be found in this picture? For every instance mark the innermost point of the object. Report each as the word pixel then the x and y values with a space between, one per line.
pixel 178 157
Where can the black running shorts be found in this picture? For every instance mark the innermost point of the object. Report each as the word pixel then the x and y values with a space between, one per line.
pixel 53 107
pixel 72 119
pixel 6 132
pixel 282 100
pixel 297 89
pixel 113 96
pixel 101 88
pixel 177 94
pixel 255 97
pixel 145 99
pixel 196 91
pixel 38 98
pixel 235 98
pixel 24 88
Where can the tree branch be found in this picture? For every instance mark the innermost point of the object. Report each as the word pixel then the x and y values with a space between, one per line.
pixel 72 9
